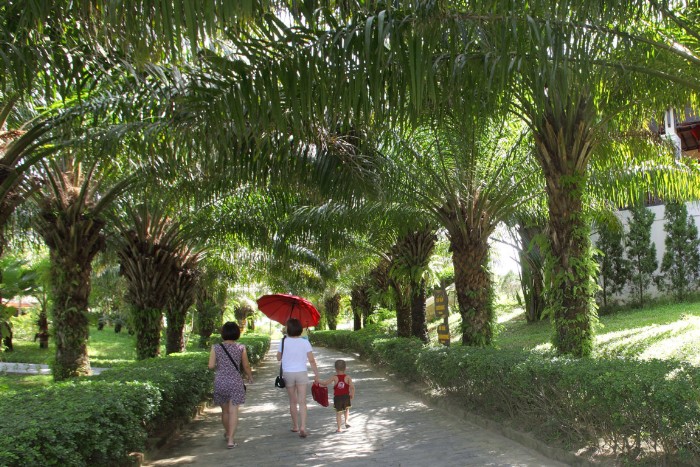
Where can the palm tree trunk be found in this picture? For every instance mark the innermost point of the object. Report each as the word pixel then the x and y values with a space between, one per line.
pixel 148 323
pixel 182 298
pixel 473 285
pixel 174 333
pixel 403 308
pixel 532 277
pixel 563 142
pixel 332 305
pixel 361 304
pixel 572 271
pixel 419 328
pixel 71 288
pixel 43 325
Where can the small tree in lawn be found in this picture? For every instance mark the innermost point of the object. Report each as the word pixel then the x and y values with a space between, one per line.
pixel 680 266
pixel 641 252
pixel 614 267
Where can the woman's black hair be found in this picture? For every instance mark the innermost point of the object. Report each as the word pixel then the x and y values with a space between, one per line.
pixel 230 331
pixel 294 328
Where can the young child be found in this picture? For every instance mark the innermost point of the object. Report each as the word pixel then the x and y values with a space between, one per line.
pixel 343 393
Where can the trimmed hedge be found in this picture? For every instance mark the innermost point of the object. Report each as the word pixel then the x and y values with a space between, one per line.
pixel 76 423
pixel 100 420
pixel 631 406
pixel 183 382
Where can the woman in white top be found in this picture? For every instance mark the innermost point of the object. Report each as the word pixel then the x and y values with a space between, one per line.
pixel 297 352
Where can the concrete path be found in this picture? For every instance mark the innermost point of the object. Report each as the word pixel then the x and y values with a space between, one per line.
pixel 389 427
pixel 33 368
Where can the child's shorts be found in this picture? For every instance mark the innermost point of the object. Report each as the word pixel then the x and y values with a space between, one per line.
pixel 341 402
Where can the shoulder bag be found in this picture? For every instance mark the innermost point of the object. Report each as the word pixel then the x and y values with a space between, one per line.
pixel 279 381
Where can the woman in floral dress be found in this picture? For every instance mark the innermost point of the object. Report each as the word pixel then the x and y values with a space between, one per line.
pixel 229 390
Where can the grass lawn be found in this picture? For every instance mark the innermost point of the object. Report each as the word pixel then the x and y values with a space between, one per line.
pixel 105 349
pixel 662 332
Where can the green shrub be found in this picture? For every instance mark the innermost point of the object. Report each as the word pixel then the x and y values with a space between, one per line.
pixel 399 355
pixel 99 420
pixel 630 405
pixel 184 381
pixel 76 423
pixel 257 346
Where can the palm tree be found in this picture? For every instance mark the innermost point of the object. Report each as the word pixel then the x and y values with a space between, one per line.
pixel 209 305
pixel 468 176
pixel 153 254
pixel 361 304
pixel 71 222
pixel 410 258
pixel 183 294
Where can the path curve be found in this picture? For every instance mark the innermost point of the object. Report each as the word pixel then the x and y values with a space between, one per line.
pixel 389 427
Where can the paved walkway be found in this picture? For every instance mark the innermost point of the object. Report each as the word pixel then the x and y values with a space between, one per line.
pixel 389 427
pixel 33 368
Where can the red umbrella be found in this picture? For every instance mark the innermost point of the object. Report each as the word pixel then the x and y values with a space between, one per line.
pixel 281 307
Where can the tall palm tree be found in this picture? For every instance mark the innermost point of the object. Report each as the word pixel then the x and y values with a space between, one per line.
pixel 151 255
pixel 467 176
pixel 575 99
pixel 71 220
pixel 410 258
pixel 182 296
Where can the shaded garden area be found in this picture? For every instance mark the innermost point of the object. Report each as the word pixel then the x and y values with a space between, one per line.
pixel 163 164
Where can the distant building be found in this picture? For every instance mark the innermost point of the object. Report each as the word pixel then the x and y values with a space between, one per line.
pixel 685 133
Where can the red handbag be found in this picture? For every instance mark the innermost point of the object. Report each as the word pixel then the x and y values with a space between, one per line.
pixel 320 394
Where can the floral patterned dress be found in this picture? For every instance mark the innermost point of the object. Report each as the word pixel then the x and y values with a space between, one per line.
pixel 228 382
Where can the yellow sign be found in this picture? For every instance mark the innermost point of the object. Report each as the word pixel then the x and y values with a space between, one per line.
pixel 441 304
pixel 443 331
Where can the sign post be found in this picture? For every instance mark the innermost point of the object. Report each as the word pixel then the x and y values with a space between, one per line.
pixel 442 311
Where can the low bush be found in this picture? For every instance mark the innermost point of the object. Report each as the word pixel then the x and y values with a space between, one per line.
pixel 76 423
pixel 100 420
pixel 399 355
pixel 183 380
pixel 633 407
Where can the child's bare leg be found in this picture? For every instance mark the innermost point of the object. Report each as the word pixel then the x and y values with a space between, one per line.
pixel 338 418
pixel 347 417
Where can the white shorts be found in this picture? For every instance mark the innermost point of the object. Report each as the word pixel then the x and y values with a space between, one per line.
pixel 293 378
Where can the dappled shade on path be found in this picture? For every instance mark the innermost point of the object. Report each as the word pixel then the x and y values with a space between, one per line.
pixel 388 426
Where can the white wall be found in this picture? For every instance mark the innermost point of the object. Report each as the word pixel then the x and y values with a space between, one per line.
pixel 658 236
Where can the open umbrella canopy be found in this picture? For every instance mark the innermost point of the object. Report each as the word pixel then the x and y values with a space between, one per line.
pixel 281 307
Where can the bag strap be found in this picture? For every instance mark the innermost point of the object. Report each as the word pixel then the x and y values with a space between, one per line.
pixel 229 357
pixel 282 352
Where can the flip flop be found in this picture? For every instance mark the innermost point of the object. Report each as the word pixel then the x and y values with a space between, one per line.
pixel 295 431
pixel 231 446
pixel 302 434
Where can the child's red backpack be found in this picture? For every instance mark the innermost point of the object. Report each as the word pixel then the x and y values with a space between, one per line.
pixel 320 394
